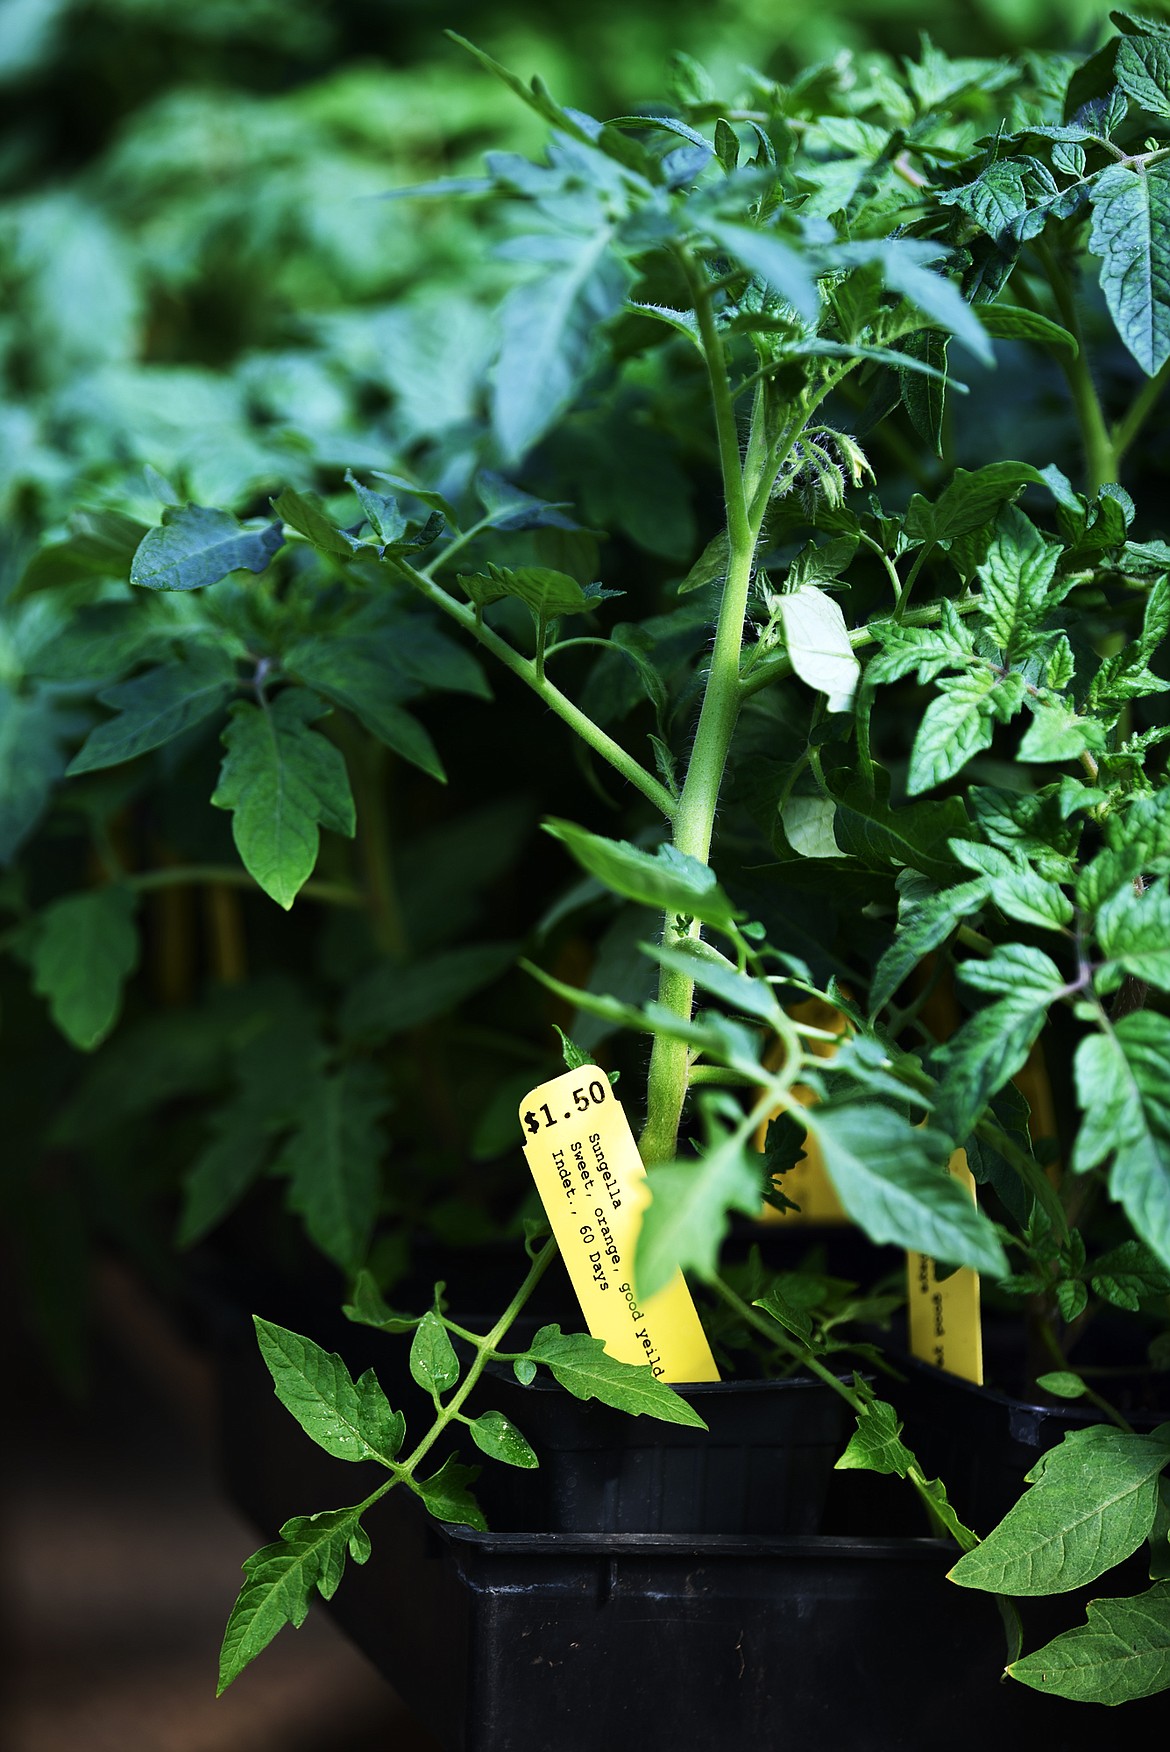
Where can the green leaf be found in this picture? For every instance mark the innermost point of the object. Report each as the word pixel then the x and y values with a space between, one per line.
pixel 818 644
pixel 222 1173
pixel 83 949
pixel 281 1578
pixel 891 1178
pixel 714 973
pixel 1120 1653
pixel 1011 322
pixel 667 879
pixel 915 836
pixel 433 1364
pixel 498 1437
pixel 993 1045
pixel 549 338
pixel 546 592
pixel 925 925
pixel 157 706
pixel 1124 1092
pixel 305 513
pixel 1142 69
pixel 583 1366
pixel 350 1419
pixel 367 1307
pixel 924 393
pixel 938 299
pixel 1017 889
pixel 971 500
pixel 353 673
pixel 398 996
pixel 196 546
pixel 687 1217
pixel 1016 577
pixel 956 725
pixel 448 1497
pixel 1134 931
pixel 1131 224
pixel 1128 1274
pixel 334 1158
pixel 101 545
pixel 31 762
pixel 1058 733
pixel 282 779
pixel 1063 1383
pixel 783 268
pixel 1091 1504
pixel 874 1445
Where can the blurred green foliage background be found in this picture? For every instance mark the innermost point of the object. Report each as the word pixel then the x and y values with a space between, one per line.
pixel 195 269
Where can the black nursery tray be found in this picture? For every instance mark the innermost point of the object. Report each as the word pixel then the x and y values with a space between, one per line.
pixel 521 1642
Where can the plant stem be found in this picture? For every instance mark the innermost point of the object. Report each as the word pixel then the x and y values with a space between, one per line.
pixel 485 1348
pixel 694 815
pixel 1139 411
pixel 1100 456
pixel 527 670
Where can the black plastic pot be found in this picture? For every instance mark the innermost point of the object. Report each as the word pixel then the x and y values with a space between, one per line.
pixel 982 1442
pixel 763 1466
pixel 538 1641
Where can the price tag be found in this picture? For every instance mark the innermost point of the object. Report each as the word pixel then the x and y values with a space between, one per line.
pixel 944 1314
pixel 579 1146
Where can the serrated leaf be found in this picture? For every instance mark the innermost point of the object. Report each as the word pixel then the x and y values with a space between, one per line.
pixel 305 513
pixel 926 925
pixel 542 589
pixel 892 1179
pixel 778 263
pixel 433 1364
pixel 398 996
pixel 1091 1504
pixel 221 1174
pixel 31 761
pixel 956 725
pixel 448 1497
pixel 196 546
pixel 282 780
pixel 915 836
pixel 1120 1653
pixel 351 1420
pixel 155 707
pixel 688 1214
pixel 352 673
pixel 1142 69
pixel 497 1436
pixel 368 1307
pixel 667 879
pixel 1128 1274
pixel 1134 931
pixel 583 1366
pixel 333 1160
pixel 874 1445
pixel 549 339
pixel 281 1579
pixel 710 970
pixel 1125 1096
pixel 971 500
pixel 817 641
pixel 1011 322
pixel 1016 577
pixel 1131 225
pixel 924 393
pixel 1017 889
pixel 83 950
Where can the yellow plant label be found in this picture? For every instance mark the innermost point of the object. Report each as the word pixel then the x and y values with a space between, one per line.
pixel 591 1181
pixel 807 1184
pixel 944 1314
